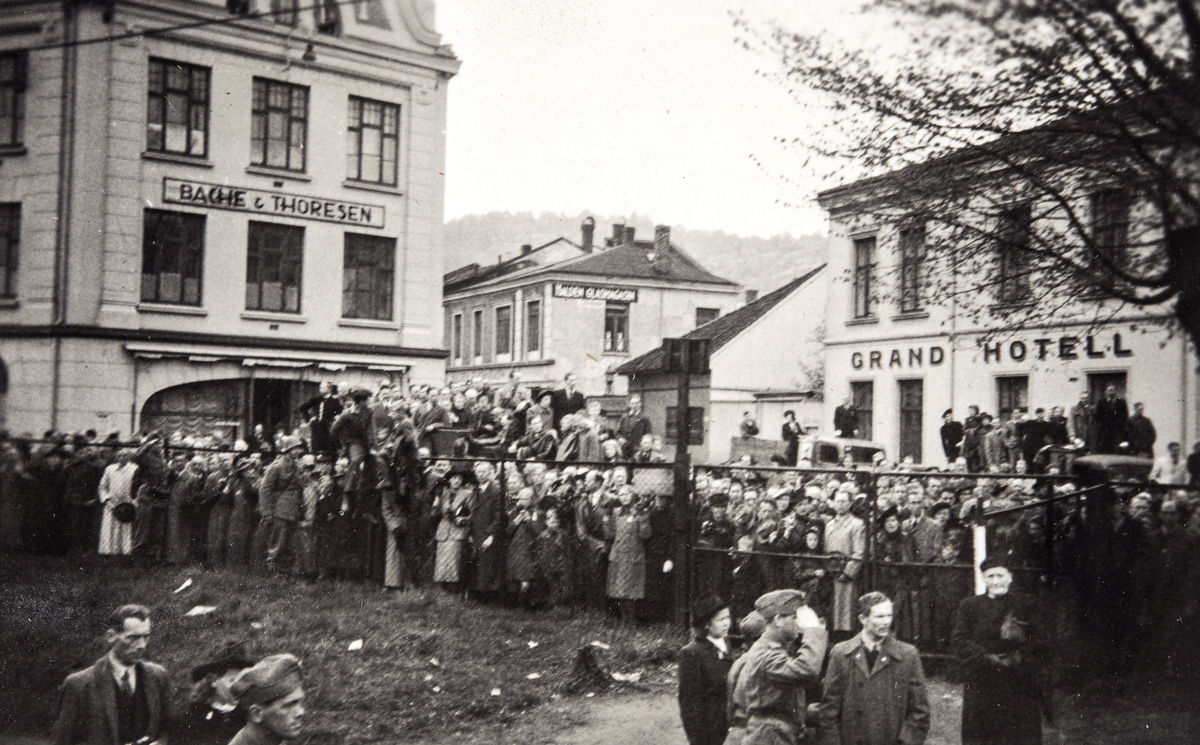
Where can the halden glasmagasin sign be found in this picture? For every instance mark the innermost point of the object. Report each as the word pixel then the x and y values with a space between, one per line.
pixel 595 292
pixel 273 203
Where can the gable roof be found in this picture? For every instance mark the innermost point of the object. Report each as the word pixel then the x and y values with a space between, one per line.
pixel 473 274
pixel 724 329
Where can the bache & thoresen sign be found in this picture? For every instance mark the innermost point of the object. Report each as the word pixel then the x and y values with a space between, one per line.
pixel 273 203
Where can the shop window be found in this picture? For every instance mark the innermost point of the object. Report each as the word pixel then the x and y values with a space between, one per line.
pixel 616 327
pixel 1110 234
pixel 862 393
pixel 172 257
pixel 477 334
pixel 912 407
pixel 284 12
pixel 533 326
pixel 695 425
pixel 279 125
pixel 456 337
pixel 1013 257
pixel 1011 393
pixel 368 276
pixel 912 260
pixel 504 331
pixel 706 315
pixel 10 244
pixel 373 141
pixel 274 259
pixel 864 277
pixel 12 98
pixel 177 108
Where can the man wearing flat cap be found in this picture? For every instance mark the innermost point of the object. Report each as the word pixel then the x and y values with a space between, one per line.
pixel 271 695
pixel 766 685
pixel 875 686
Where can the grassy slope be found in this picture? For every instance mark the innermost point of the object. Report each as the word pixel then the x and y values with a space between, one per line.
pixel 382 693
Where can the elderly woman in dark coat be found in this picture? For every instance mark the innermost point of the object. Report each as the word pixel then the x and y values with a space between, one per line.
pixel 1000 637
pixel 703 667
pixel 628 527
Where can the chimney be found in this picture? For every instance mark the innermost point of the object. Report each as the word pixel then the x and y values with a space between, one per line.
pixel 751 296
pixel 526 249
pixel 618 234
pixel 589 231
pixel 660 259
pixel 629 230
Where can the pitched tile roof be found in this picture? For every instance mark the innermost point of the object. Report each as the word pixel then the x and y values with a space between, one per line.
pixel 724 329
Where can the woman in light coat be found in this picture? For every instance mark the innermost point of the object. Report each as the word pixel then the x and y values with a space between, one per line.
pixel 116 537
pixel 455 502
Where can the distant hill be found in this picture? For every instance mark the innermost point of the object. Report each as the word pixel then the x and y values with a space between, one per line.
pixel 762 264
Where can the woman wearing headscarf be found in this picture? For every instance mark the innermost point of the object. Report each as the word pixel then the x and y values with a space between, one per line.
pixel 1000 638
pixel 703 667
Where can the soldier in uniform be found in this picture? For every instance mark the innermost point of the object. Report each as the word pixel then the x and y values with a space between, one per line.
pixel 271 695
pixel 766 685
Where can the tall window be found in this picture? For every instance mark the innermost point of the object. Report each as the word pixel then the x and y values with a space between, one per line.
pixel 328 16
pixel 504 330
pixel 12 98
pixel 477 333
pixel 10 242
pixel 533 326
pixel 912 259
pixel 864 276
pixel 284 12
pixel 912 405
pixel 274 257
pixel 616 327
pixel 1013 255
pixel 373 141
pixel 172 257
pixel 1011 393
pixel 368 275
pixel 279 125
pixel 1110 231
pixel 862 393
pixel 706 315
pixel 177 108
pixel 456 336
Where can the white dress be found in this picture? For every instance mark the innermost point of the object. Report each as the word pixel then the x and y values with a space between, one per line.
pixel 116 537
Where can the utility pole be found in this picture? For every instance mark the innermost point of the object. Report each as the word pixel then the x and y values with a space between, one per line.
pixel 684 357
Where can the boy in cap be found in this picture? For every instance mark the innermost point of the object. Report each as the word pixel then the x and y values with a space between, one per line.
pixel 766 685
pixel 271 695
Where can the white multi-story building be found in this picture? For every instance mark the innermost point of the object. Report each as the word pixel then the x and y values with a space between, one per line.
pixel 206 208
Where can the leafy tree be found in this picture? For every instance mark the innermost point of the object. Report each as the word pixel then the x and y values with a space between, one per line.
pixel 1048 148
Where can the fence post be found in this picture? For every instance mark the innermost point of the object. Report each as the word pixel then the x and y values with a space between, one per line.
pixel 681 498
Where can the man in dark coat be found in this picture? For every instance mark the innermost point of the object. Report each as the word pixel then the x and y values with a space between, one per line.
pixel 1112 418
pixel 321 412
pixel 703 668
pixel 874 686
pixel 952 436
pixel 845 419
pixel 486 534
pixel 633 426
pixel 123 697
pixel 1000 638
pixel 791 434
pixel 1141 432
pixel 566 400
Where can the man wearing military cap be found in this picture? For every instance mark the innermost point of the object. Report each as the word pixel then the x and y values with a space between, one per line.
pixel 271 695
pixel 766 685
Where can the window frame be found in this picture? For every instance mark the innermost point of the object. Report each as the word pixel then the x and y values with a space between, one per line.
pixel 695 425
pixel 355 140
pixel 261 110
pixel 382 278
pixel 1008 381
pixel 327 17
pixel 716 313
pixel 1014 263
pixel 912 267
pixel 159 103
pixel 14 81
pixel 186 255
pixel 477 334
pixel 256 261
pixel 866 424
pixel 864 276
pixel 502 353
pixel 10 249
pixel 1111 217
pixel 456 338
pixel 533 326
pixel 286 12
pixel 613 343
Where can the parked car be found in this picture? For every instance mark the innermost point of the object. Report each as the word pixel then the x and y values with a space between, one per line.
pixel 824 452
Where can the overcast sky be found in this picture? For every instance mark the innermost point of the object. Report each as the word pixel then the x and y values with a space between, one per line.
pixel 622 106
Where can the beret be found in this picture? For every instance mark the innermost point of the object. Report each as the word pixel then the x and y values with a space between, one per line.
pixel 779 603
pixel 271 679
pixel 992 562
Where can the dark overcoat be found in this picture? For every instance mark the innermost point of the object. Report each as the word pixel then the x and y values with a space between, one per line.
pixel 703 669
pixel 487 519
pixel 87 704
pixel 886 704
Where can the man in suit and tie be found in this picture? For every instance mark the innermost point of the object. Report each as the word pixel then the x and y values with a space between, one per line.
pixel 566 400
pixel 123 698
pixel 874 685
pixel 321 411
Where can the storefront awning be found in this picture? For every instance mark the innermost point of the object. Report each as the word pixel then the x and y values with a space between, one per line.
pixel 253 357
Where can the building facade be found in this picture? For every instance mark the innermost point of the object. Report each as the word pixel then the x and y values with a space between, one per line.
pixel 903 358
pixel 584 309
pixel 207 211
pixel 764 358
